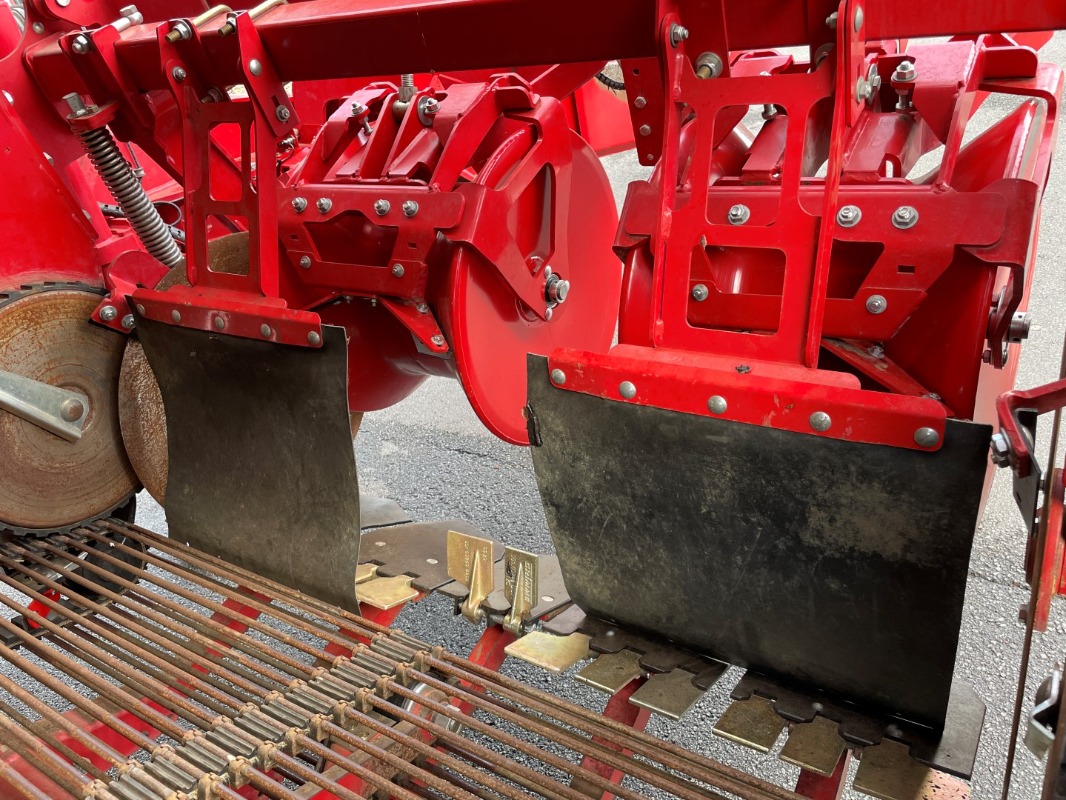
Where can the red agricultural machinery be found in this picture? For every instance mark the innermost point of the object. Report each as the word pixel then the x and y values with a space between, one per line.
pixel 760 401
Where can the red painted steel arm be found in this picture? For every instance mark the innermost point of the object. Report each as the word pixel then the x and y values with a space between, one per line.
pixel 1040 400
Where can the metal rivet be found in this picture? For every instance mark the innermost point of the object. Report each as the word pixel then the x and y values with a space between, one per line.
pixel 558 377
pixel 858 18
pixel 255 67
pixel 700 293
pixel 876 304
pixel 905 217
pixel 71 410
pixel 179 74
pixel 299 204
pixel 410 208
pixel 926 437
pixel 717 404
pixel 627 390
pixel 282 113
pixel 849 216
pixel 175 315
pixel 314 338
pixel 128 322
pixel 397 270
pixel 640 102
pixel 438 340
pixel 820 421
pixel 220 324
pixel 38 28
pixel 645 130
pixel 382 207
pixel 108 313
pixel 324 204
pixel 548 314
pixel 265 330
pixel 305 262
pixel 739 214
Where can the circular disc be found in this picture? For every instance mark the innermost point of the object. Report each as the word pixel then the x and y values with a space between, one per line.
pixel 47 482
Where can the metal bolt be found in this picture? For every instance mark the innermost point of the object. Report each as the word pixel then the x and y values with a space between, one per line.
pixel 558 377
pixel 220 324
pixel 848 216
pixel 926 437
pixel 555 288
pixel 700 292
pixel 313 337
pixel 645 130
pixel 410 208
pixel 282 113
pixel 866 89
pixel 1000 450
pixel 905 72
pixel 128 322
pixel 427 108
pixel 709 65
pixel 858 18
pixel 71 410
pixel 739 214
pixel 180 31
pixel 82 44
pixel 422 308
pixel 1018 331
pixel 678 34
pixel 265 330
pixel 175 315
pixel 179 74
pixel 820 421
pixel 639 102
pixel 255 66
pixel 299 204
pixel 382 207
pixel 108 313
pixel 140 309
pixel 76 104
pixel 627 390
pixel 717 404
pixel 305 262
pixel 38 28
pixel 877 351
pixel 905 217
pixel 876 304
pixel 831 20
pixel 438 340
pixel 397 270
pixel 324 204
pixel 548 314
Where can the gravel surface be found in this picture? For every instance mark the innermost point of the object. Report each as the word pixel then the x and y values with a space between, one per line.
pixel 432 455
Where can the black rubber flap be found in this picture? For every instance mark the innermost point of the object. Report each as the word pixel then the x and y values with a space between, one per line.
pixel 837 565
pixel 262 470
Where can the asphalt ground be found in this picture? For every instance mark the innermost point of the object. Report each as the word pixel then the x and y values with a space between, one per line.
pixel 432 455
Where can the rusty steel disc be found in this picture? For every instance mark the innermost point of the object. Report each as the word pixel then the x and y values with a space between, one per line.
pixel 48 483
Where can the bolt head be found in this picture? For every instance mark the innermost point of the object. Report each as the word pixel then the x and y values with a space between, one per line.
pixel 314 338
pixel 700 292
pixel 128 322
pixel 265 330
pixel 905 217
pixel 820 421
pixel 108 313
pixel 905 72
pixel 397 270
pixel 179 74
pixel 876 351
pixel 220 324
pixel 140 309
pixel 305 262
pixel 848 216
pixel 410 208
pixel 438 340
pixel 255 66
pixel 558 377
pixel 175 315
pixel 324 204
pixel 627 390
pixel 299 204
pixel 645 130
pixel 876 304
pixel 717 404
pixel 382 207
pixel 283 113
pixel 739 214
pixel 1000 448
pixel 678 34
pixel 71 410
pixel 548 314
pixel 926 437
pixel 82 44
pixel 640 102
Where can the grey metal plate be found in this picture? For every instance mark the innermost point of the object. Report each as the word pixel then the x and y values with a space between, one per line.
pixel 419 549
pixel 378 512
pixel 837 565
pixel 262 470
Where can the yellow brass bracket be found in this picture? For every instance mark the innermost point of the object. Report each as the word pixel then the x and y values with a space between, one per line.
pixel 520 587
pixel 470 563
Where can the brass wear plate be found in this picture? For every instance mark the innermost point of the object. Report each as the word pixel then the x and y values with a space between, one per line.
pixel 815 746
pixel 386 593
pixel 365 572
pixel 888 772
pixel 752 723
pixel 554 653
pixel 670 694
pixel 611 672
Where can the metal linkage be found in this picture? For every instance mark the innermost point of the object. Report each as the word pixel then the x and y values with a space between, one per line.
pixel 145 641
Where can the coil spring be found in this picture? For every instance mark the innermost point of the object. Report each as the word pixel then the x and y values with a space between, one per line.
pixel 118 176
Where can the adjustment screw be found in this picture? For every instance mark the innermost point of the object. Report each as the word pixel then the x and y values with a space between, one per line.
pixel 397 270
pixel 305 262
pixel 558 377
pixel 627 390
pixel 717 404
pixel 128 322
pixel 255 66
pixel 678 34
pixel 313 337
pixel 876 304
pixel 438 340
pixel 108 313
pixel 410 208
pixel 848 216
pixel 175 315
pixel 299 204
pixel 926 437
pixel 382 207
pixel 82 44
pixel 324 204
pixel 739 214
pixel 283 113
pixel 820 421
pixel 71 410
pixel 700 293
pixel 905 217
pixel 179 74
pixel 220 324
pixel 265 330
